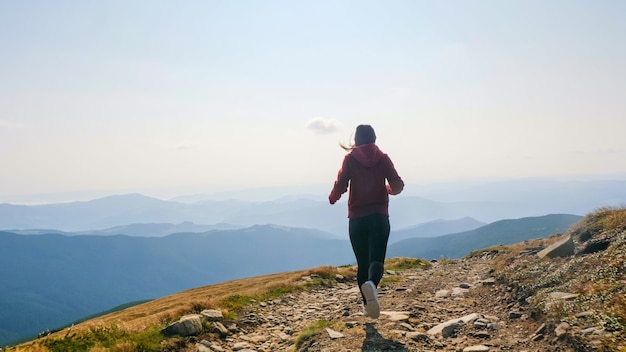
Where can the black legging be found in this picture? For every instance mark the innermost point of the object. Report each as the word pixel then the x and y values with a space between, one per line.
pixel 369 236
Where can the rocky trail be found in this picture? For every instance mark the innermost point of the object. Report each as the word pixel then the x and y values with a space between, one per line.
pixel 450 306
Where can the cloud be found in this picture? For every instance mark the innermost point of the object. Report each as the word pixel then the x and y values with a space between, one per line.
pixel 186 146
pixel 320 125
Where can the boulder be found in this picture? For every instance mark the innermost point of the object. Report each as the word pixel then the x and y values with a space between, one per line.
pixel 562 248
pixel 188 325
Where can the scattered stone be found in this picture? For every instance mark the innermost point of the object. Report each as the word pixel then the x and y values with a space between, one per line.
pixel 477 348
pixel 442 294
pixel 541 329
pixel 188 325
pixel 562 329
pixel 334 334
pixel 450 330
pixel 221 329
pixel 487 282
pixel 562 248
pixel 396 316
pixel 418 336
pixel 563 295
pixel 212 314
pixel 239 346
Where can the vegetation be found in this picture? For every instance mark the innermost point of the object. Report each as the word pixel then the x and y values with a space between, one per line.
pixel 403 264
pixel 112 338
pixel 314 329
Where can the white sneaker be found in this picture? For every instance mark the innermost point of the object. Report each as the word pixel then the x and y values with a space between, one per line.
pixel 372 307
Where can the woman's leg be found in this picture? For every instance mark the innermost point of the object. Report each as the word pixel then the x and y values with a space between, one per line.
pixel 369 236
pixel 359 239
pixel 377 246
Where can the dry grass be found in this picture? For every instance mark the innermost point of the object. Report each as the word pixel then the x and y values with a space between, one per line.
pixel 159 312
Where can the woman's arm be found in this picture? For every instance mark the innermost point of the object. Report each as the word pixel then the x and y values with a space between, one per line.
pixel 341 184
pixel 396 185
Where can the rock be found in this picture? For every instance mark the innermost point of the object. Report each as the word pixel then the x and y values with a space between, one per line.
pixel 438 329
pixel 563 295
pixel 477 348
pixel 487 282
pixel 450 330
pixel 562 248
pixel 221 329
pixel 541 329
pixel 562 329
pixel 458 291
pixel 188 325
pixel 202 348
pixel 334 334
pixel 515 315
pixel 418 336
pixel 212 314
pixel 241 346
pixel 396 316
pixel 442 293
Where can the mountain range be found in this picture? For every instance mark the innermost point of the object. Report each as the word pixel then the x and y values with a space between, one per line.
pixel 418 204
pixel 501 232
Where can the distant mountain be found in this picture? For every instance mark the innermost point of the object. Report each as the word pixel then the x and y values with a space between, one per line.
pixel 486 202
pixel 115 211
pixel 136 230
pixel 436 228
pixel 51 280
pixel 500 232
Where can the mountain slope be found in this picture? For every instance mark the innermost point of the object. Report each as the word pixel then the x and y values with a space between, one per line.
pixel 500 232
pixel 436 228
pixel 51 280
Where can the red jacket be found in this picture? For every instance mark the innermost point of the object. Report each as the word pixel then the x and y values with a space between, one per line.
pixel 366 168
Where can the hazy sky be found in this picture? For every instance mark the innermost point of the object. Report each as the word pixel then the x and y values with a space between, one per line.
pixel 208 95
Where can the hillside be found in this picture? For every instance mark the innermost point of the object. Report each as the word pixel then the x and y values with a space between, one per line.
pixel 508 231
pixel 516 297
pixel 52 280
pixel 435 228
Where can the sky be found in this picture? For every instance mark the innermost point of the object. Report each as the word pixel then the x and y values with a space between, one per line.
pixel 166 97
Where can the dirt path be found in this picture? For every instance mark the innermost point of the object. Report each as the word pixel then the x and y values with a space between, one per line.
pixel 451 306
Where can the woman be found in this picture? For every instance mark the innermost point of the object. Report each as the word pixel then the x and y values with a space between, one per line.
pixel 366 168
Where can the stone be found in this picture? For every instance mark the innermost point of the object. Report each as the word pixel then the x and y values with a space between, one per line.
pixel 418 336
pixel 334 334
pixel 212 314
pixel 438 329
pixel 562 248
pixel 450 330
pixel 442 293
pixel 477 348
pixel 561 329
pixel 221 329
pixel 241 346
pixel 188 325
pixel 563 295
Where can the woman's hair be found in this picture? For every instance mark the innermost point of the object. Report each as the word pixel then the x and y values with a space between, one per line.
pixel 364 135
